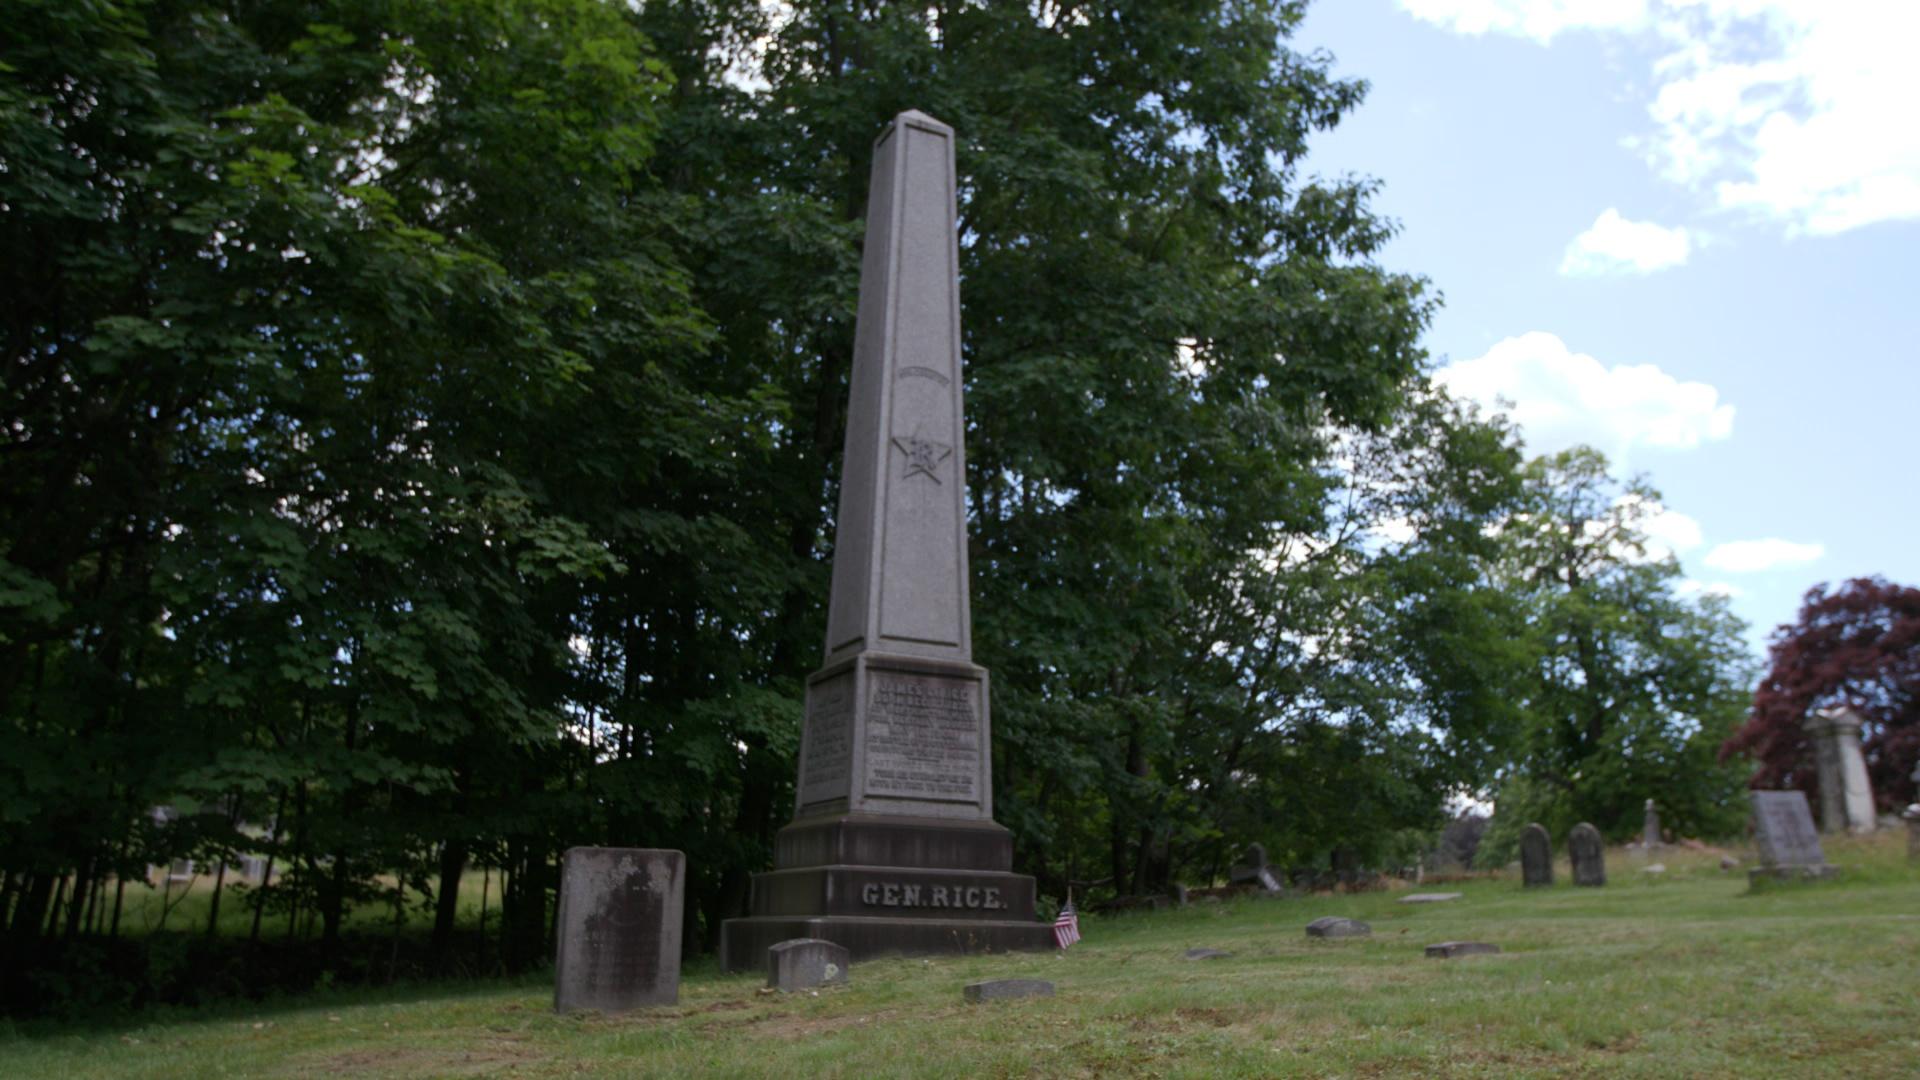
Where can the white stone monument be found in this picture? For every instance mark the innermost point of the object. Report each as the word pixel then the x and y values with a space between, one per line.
pixel 1846 795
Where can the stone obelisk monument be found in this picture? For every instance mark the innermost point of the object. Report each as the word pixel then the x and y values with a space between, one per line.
pixel 893 847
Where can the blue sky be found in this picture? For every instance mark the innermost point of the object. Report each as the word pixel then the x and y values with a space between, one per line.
pixel 1683 232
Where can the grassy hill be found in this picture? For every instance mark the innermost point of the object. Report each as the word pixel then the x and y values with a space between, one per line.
pixel 1679 973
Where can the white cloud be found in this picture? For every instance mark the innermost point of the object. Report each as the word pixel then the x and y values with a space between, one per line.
pixel 1796 111
pixel 1561 398
pixel 1615 245
pixel 1536 19
pixel 1748 556
pixel 1670 532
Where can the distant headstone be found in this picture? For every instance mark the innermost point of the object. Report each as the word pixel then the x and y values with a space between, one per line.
pixel 1333 926
pixel 1783 831
pixel 1207 954
pixel 1912 817
pixel 1448 950
pixel 804 963
pixel 1650 827
pixel 1588 853
pixel 1429 897
pixel 1179 895
pixel 1536 856
pixel 1007 989
pixel 1255 871
pixel 1728 862
pixel 618 938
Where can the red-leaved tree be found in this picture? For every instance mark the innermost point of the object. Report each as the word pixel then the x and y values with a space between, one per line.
pixel 1859 646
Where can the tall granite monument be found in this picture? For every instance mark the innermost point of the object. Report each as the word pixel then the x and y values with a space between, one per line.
pixel 1846 795
pixel 893 846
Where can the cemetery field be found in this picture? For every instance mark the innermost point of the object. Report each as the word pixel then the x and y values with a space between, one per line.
pixel 1682 973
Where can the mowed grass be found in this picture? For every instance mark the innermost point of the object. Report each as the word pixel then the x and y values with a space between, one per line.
pixel 1684 973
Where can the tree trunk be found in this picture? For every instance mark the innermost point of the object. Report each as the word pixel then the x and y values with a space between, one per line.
pixel 446 902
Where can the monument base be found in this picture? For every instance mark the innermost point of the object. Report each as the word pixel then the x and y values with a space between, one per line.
pixel 1820 872
pixel 877 884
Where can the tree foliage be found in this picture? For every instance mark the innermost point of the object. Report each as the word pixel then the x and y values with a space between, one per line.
pixel 1857 645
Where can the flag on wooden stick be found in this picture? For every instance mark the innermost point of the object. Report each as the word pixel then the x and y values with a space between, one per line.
pixel 1066 926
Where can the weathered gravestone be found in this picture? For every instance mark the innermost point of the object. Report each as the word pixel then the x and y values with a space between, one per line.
pixel 1536 856
pixel 1783 831
pixel 1333 926
pixel 1447 950
pixel 893 847
pixel 1006 990
pixel 1207 954
pixel 1650 827
pixel 1588 853
pixel 804 963
pixel 618 939
pixel 1429 897
pixel 1255 870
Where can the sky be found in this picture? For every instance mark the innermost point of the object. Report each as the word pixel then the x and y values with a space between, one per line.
pixel 1681 232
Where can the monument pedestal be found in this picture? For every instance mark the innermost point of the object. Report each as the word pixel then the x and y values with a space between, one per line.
pixel 876 884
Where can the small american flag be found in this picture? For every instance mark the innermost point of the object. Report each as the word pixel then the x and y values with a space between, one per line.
pixel 1066 927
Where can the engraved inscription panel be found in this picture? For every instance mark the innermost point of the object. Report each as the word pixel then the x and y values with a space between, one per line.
pixel 923 737
pixel 1785 829
pixel 827 747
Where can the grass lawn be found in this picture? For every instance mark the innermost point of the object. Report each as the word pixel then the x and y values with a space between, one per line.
pixel 1684 973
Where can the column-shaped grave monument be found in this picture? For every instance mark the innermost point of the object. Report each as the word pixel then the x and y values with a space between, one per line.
pixel 893 847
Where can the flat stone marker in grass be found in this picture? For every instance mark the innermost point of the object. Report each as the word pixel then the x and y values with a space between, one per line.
pixel 1449 950
pixel 1536 856
pixel 1429 897
pixel 1207 954
pixel 1589 855
pixel 618 940
pixel 804 963
pixel 1333 926
pixel 1006 990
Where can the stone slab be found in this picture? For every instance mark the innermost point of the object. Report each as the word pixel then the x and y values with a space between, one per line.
pixel 1792 873
pixel 893 840
pixel 1783 829
pixel 618 937
pixel 1536 856
pixel 744 942
pixel 1429 897
pixel 1448 950
pixel 1006 990
pixel 1207 954
pixel 885 891
pixel 806 963
pixel 1588 853
pixel 1333 926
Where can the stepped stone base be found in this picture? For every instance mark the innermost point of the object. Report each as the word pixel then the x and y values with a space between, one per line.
pixel 879 884
pixel 744 942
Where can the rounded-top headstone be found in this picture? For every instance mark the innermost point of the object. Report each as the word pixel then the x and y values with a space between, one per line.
pixel 1588 853
pixel 804 963
pixel 1536 855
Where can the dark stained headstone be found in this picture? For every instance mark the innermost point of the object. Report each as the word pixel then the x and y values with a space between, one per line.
pixel 893 847
pixel 1006 989
pixel 804 963
pixel 1783 831
pixel 1207 954
pixel 1536 856
pixel 1447 950
pixel 1333 926
pixel 1588 852
pixel 618 939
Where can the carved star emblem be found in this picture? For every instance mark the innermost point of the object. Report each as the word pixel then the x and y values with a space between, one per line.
pixel 923 455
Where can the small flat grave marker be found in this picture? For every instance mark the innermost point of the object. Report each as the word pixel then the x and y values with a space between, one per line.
pixel 1333 926
pixel 1207 954
pixel 1429 897
pixel 1006 990
pixel 804 963
pixel 1448 950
